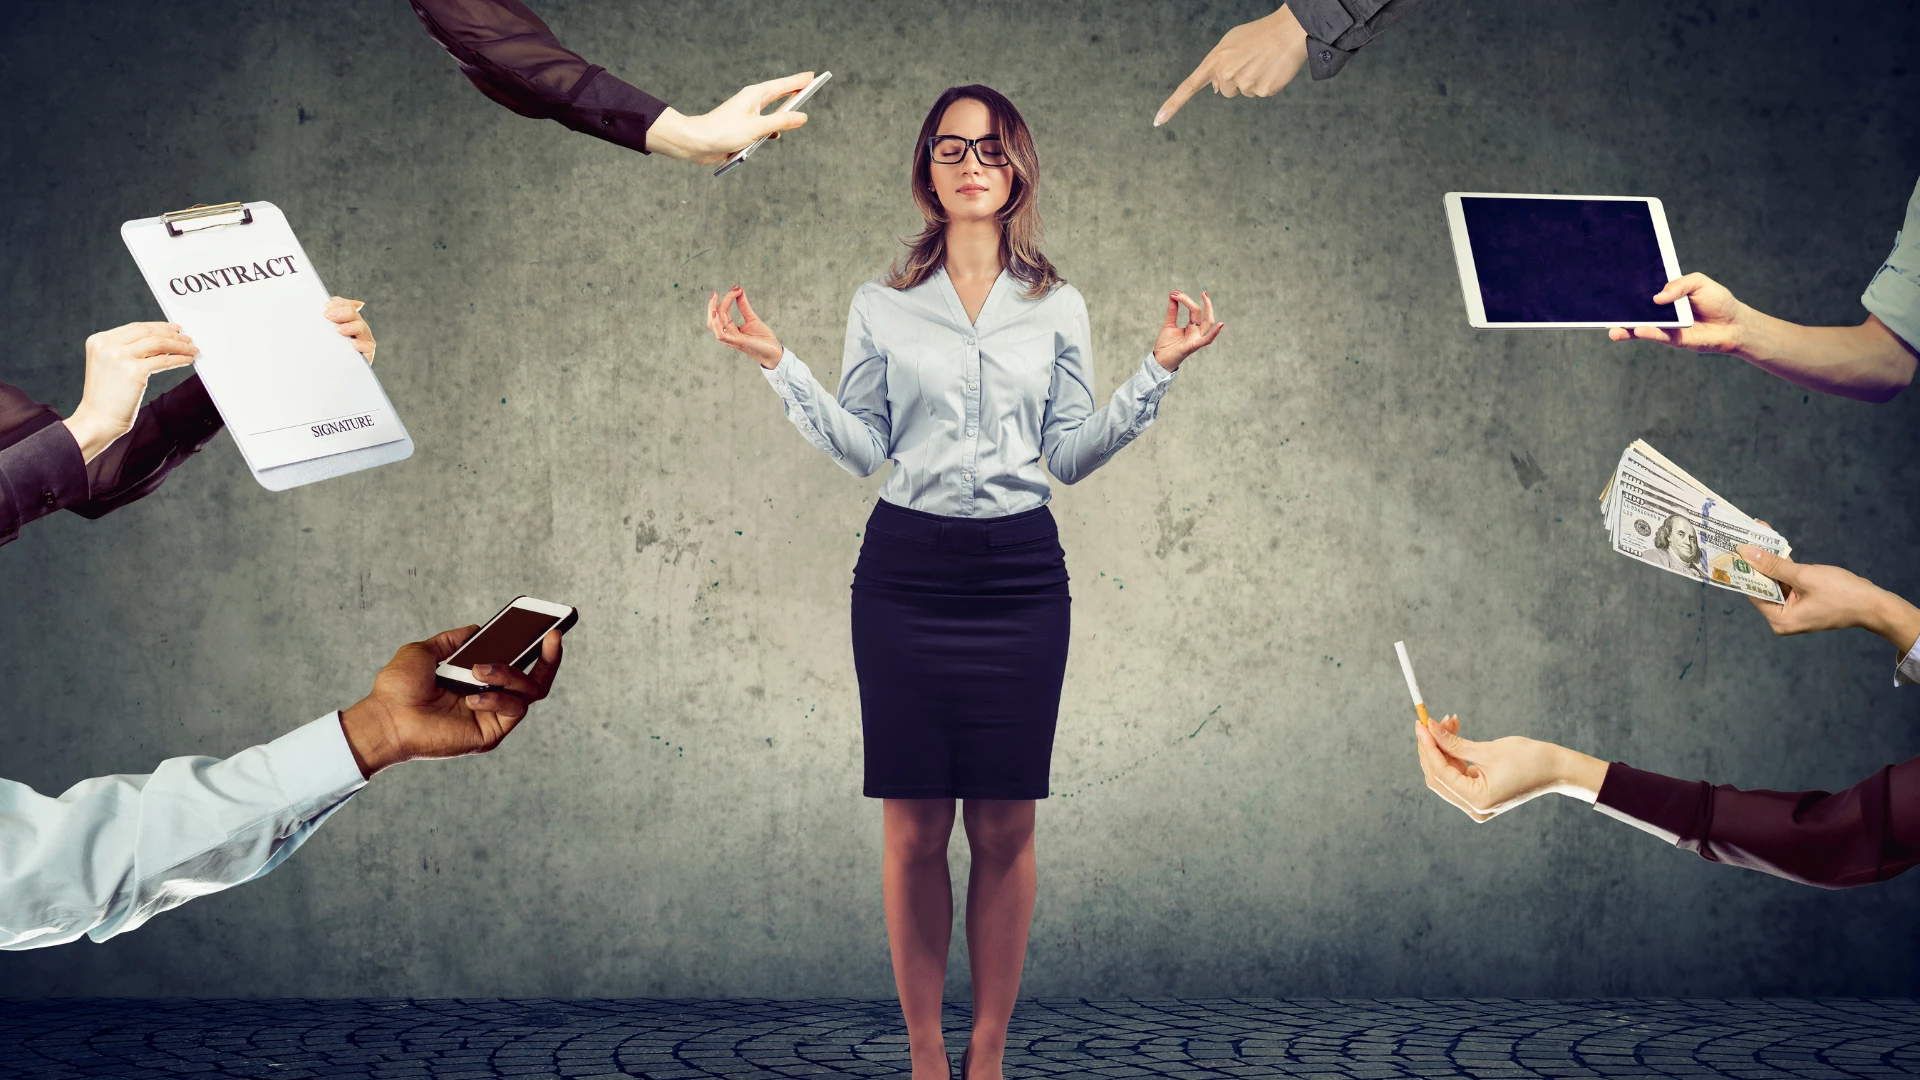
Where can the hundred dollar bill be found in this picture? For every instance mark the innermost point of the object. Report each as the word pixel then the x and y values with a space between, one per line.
pixel 1659 514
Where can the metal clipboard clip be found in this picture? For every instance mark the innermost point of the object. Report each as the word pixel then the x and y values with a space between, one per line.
pixel 206 217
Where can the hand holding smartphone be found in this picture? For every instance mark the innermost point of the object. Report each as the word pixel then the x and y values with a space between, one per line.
pixel 512 637
pixel 793 101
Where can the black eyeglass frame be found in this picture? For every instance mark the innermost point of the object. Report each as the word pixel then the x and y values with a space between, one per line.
pixel 973 145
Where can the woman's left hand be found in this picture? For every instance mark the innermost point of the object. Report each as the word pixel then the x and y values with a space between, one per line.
pixel 1177 342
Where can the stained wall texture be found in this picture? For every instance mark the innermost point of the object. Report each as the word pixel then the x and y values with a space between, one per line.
pixel 1236 807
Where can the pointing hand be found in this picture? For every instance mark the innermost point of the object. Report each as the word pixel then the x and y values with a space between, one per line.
pixel 1256 59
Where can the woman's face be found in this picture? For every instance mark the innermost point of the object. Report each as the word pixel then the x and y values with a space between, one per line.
pixel 968 190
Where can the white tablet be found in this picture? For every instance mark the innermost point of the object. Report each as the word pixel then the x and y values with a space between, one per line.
pixel 1563 260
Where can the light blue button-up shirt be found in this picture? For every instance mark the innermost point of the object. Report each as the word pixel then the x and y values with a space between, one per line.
pixel 966 411
pixel 1894 292
pixel 112 852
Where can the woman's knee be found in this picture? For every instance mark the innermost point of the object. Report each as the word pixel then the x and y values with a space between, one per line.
pixel 918 829
pixel 1000 831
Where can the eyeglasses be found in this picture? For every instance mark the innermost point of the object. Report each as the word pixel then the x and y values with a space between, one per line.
pixel 952 150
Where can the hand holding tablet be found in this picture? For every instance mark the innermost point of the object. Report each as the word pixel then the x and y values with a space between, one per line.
pixel 1558 261
pixel 1716 317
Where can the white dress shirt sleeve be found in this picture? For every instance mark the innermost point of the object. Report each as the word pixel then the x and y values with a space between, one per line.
pixel 1074 438
pixel 1908 669
pixel 855 429
pixel 114 851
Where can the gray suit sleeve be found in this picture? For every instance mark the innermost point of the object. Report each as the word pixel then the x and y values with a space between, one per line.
pixel 1336 29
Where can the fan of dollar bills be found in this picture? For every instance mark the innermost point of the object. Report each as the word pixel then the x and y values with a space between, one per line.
pixel 1658 514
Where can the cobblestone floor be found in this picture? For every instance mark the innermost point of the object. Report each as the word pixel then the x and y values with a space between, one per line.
pixel 738 1040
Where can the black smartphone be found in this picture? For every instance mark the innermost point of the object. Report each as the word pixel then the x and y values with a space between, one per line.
pixel 511 637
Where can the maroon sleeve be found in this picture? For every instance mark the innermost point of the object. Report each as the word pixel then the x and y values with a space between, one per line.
pixel 1867 833
pixel 39 473
pixel 512 57
pixel 42 470
pixel 166 432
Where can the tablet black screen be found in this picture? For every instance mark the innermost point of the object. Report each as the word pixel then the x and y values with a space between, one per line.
pixel 1566 260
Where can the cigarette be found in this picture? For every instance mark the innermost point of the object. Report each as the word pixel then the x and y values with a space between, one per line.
pixel 1413 685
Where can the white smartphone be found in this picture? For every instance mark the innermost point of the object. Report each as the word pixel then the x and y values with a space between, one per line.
pixel 793 102
pixel 511 637
pixel 1550 261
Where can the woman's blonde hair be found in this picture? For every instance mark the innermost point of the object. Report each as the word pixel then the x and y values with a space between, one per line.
pixel 1019 218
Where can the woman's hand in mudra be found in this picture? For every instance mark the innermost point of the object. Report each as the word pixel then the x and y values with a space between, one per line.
pixel 750 335
pixel 1177 342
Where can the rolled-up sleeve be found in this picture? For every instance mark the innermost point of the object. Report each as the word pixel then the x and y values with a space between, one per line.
pixel 1907 670
pixel 1893 294
pixel 111 852
pixel 1865 834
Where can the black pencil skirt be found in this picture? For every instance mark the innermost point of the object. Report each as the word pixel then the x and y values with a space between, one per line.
pixel 960 642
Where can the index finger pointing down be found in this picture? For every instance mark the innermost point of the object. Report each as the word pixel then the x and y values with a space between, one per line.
pixel 1201 76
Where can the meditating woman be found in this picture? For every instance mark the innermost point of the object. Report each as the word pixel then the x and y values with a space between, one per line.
pixel 966 366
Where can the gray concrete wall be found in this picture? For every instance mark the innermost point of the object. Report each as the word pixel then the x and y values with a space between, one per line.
pixel 1237 808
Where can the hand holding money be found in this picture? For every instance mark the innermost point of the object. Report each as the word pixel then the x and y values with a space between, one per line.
pixel 1657 513
pixel 1829 598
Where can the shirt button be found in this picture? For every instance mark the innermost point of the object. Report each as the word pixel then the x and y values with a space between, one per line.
pixel 1325 56
pixel 969 432
pixel 969 341
pixel 48 499
pixel 606 119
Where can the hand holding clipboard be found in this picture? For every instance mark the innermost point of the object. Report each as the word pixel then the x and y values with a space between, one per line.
pixel 299 401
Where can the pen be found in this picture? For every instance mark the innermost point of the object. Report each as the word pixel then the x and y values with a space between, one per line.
pixel 1406 668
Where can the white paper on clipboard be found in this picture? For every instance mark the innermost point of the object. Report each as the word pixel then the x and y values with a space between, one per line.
pixel 301 402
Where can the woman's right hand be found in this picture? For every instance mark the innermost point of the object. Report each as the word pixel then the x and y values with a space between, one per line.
pixel 750 335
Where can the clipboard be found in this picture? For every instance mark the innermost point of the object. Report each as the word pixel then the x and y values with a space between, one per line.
pixel 301 403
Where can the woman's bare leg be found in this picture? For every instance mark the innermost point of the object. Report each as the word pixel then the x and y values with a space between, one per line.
pixel 918 894
pixel 1000 893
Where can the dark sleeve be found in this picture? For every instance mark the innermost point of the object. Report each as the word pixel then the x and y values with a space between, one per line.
pixel 39 473
pixel 1336 29
pixel 1867 833
pixel 166 432
pixel 509 54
